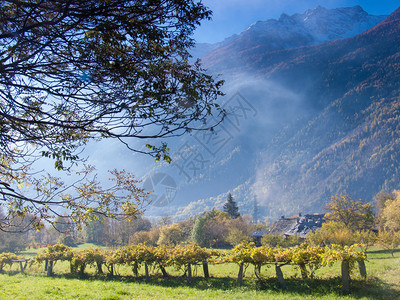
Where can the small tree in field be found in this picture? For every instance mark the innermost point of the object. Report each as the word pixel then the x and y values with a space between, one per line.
pixel 231 207
pixel 389 240
pixel 354 215
pixel 391 213
pixel 331 233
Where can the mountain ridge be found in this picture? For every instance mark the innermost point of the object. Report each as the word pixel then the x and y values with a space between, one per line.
pixel 293 31
pixel 341 148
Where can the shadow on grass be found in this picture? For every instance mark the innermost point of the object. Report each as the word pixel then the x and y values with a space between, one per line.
pixel 383 251
pixel 387 254
pixel 27 254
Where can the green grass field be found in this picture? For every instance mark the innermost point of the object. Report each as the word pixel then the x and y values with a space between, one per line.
pixel 382 283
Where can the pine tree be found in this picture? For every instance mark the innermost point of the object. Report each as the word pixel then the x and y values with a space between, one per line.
pixel 231 207
pixel 255 211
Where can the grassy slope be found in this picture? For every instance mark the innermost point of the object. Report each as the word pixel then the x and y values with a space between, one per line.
pixel 383 283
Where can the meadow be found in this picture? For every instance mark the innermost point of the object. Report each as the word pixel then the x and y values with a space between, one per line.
pixel 382 282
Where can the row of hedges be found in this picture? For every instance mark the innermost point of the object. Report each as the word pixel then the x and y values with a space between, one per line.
pixel 306 258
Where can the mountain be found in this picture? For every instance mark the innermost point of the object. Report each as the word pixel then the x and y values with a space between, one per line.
pixel 315 26
pixel 351 144
pixel 306 123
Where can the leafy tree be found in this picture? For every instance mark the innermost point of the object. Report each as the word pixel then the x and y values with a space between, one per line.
pixel 125 229
pixel 198 232
pixel 366 238
pixel 216 231
pixel 17 239
pixel 382 199
pixel 271 240
pixel 12 241
pixel 77 70
pixel 66 230
pixel 150 237
pixel 391 213
pixel 332 232
pixel 275 240
pixel 389 240
pixel 96 230
pixel 171 235
pixel 239 230
pixel 187 228
pixel 210 229
pixel 354 215
pixel 113 232
pixel 231 207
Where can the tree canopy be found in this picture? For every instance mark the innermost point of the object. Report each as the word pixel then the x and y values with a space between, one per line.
pixel 390 214
pixel 353 215
pixel 73 71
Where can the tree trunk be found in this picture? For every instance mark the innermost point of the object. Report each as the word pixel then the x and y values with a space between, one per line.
pixel 71 268
pixel 46 263
pixel 346 276
pixel 303 271
pixel 240 275
pixel 362 268
pixel 99 268
pixel 135 269
pixel 146 270
pixel 257 271
pixel 112 269
pixel 26 264
pixel 82 269
pixel 163 271
pixel 279 276
pixel 205 270
pixel 50 268
pixel 189 277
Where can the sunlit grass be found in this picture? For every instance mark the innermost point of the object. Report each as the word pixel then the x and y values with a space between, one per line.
pixel 382 283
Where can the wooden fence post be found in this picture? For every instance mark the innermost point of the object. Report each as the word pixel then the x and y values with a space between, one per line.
pixel 163 271
pixel 257 271
pixel 50 268
pixel 346 276
pixel 362 268
pixel 303 270
pixel 111 269
pixel 26 264
pixel 205 270
pixel 82 269
pixel 99 268
pixel 240 275
pixel 189 271
pixel 135 269
pixel 146 270
pixel 279 275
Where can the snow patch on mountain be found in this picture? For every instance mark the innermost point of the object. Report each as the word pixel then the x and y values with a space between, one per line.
pixel 317 25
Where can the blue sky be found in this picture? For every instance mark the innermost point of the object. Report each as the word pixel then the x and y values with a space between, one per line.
pixel 233 16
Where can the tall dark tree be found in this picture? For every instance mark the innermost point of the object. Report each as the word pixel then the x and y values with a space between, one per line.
pixel 255 211
pixel 76 70
pixel 231 207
